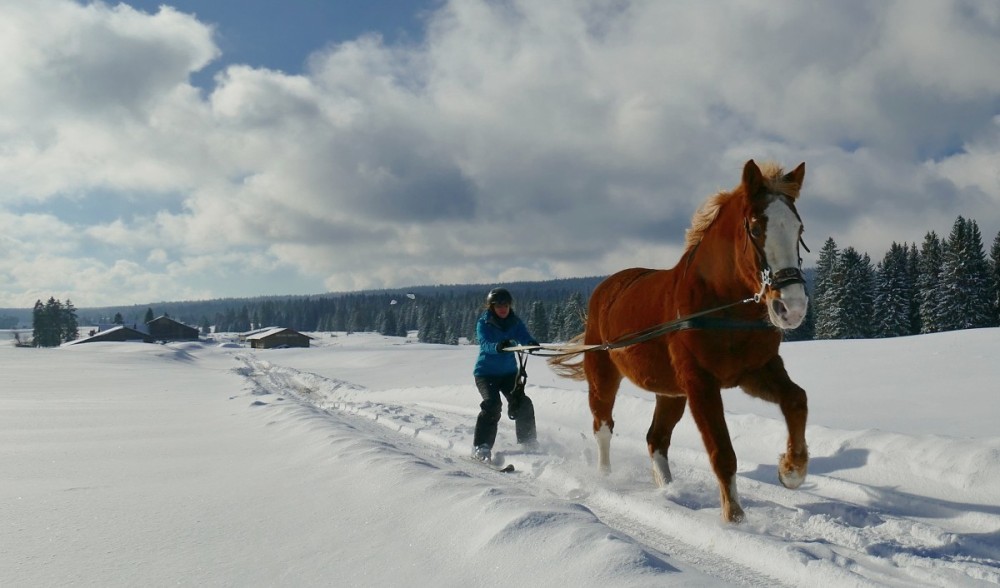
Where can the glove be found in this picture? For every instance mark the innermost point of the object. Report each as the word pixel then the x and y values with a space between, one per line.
pixel 505 344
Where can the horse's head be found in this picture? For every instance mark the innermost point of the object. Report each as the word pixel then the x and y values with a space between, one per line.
pixel 773 235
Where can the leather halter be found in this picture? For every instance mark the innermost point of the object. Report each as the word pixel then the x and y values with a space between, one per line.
pixel 776 280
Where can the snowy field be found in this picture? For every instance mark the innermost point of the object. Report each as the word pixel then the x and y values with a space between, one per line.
pixel 208 464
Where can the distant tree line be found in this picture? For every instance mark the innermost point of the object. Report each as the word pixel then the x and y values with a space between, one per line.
pixel 54 323
pixel 943 285
pixel 446 316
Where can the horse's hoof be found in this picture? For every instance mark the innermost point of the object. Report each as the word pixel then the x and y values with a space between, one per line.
pixel 734 516
pixel 661 471
pixel 791 480
pixel 791 477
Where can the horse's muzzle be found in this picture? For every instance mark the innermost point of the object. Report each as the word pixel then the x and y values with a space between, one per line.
pixel 788 308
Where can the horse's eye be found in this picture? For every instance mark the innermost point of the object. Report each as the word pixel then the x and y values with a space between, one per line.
pixel 755 230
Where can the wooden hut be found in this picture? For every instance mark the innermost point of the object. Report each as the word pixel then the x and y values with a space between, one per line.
pixel 164 328
pixel 117 334
pixel 278 337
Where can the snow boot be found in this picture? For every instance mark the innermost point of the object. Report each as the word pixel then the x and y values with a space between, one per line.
pixel 482 453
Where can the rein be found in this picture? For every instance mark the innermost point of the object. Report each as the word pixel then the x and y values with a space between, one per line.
pixel 697 320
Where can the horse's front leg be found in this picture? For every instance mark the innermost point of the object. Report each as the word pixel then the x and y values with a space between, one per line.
pixel 669 410
pixel 772 383
pixel 704 398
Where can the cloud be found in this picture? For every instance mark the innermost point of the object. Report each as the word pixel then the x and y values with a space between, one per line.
pixel 516 140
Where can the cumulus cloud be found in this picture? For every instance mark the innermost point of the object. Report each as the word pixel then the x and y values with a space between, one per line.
pixel 516 140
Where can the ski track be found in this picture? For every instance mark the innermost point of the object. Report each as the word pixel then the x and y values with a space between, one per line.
pixel 822 530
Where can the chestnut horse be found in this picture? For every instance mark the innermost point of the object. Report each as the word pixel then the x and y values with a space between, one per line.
pixel 741 242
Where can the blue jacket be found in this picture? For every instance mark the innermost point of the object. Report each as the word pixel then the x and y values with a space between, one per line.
pixel 490 330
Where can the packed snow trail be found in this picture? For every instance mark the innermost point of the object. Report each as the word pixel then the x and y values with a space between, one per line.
pixel 834 530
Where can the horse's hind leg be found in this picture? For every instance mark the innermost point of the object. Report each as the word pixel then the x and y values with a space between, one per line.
pixel 772 383
pixel 604 380
pixel 669 410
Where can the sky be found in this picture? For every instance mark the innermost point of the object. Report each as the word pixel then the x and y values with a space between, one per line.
pixel 199 150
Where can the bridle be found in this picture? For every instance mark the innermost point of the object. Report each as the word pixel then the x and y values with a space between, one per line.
pixel 782 278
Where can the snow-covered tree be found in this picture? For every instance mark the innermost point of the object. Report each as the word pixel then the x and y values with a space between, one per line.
pixel 573 315
pixel 70 327
pixel 851 294
pixel 913 273
pixel 929 275
pixel 821 303
pixel 893 294
pixel 963 290
pixel 538 322
pixel 995 279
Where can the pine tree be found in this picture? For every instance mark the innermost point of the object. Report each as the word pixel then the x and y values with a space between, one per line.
pixel 981 310
pixel 927 282
pixel 267 314
pixel 538 323
pixel 574 317
pixel 69 326
pixel 913 275
pixel 38 322
pixel 431 328
pixel 963 288
pixel 388 326
pixel 243 323
pixel 893 294
pixel 53 323
pixel 995 279
pixel 149 316
pixel 851 295
pixel 821 301
pixel 118 320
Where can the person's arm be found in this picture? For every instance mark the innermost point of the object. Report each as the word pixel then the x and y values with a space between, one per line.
pixel 487 344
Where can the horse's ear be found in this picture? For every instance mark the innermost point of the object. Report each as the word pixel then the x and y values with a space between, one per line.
pixel 796 176
pixel 753 180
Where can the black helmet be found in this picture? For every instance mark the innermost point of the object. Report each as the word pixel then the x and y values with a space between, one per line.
pixel 499 296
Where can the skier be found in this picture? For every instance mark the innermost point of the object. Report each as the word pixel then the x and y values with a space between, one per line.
pixel 496 373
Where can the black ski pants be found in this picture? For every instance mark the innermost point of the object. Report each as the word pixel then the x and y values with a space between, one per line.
pixel 519 408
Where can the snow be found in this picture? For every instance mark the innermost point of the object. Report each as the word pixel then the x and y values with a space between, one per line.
pixel 209 463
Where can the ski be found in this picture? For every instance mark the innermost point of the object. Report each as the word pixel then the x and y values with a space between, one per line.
pixel 506 469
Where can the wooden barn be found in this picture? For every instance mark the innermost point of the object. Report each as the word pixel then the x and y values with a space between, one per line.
pixel 164 328
pixel 278 337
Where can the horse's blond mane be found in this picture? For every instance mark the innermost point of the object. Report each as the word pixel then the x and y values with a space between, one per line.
pixel 774 181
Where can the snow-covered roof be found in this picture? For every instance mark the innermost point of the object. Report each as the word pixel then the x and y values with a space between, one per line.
pixel 131 334
pixel 257 331
pixel 272 331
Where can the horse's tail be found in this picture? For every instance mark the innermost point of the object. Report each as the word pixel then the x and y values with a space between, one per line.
pixel 569 365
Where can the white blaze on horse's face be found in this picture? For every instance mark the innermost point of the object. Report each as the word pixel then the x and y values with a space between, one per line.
pixel 787 306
